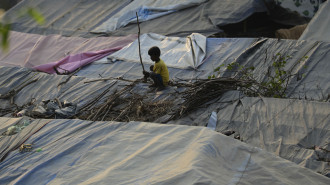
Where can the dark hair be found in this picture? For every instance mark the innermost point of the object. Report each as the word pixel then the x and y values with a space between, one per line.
pixel 154 51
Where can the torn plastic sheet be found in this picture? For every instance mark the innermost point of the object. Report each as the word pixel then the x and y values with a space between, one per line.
pixel 146 10
pixel 176 52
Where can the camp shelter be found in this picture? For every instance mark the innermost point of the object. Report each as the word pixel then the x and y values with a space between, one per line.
pixel 79 18
pixel 103 78
pixel 85 152
pixel 318 29
pixel 93 125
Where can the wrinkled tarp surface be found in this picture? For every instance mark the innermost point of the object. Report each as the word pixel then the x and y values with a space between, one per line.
pixel 31 50
pixel 146 10
pixel 69 18
pixel 307 58
pixel 250 52
pixel 296 130
pixel 84 152
pixel 177 52
pixel 78 18
pixel 246 52
pixel 319 27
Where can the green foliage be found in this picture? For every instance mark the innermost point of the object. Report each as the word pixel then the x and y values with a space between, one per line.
pixel 36 16
pixel 4 31
pixel 274 85
pixel 5 26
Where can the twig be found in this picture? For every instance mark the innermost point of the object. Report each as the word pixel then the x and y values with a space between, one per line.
pixel 110 78
pixel 69 77
pixel 137 17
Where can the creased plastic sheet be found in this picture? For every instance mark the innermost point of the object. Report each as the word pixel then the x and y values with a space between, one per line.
pixel 77 18
pixel 30 50
pixel 319 27
pixel 83 152
pixel 146 10
pixel 177 52
pixel 10 143
pixel 307 58
pixel 48 87
pixel 73 62
pixel 68 18
pixel 296 130
pixel 292 129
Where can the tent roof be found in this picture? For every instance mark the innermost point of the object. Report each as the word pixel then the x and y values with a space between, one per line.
pixel 85 152
pixel 78 18
pixel 318 29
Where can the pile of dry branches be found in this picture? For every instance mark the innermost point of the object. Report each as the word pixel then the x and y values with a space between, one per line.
pixel 203 91
pixel 125 106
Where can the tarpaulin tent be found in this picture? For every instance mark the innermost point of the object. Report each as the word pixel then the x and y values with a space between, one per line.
pixel 178 52
pixel 78 18
pixel 250 52
pixel 85 152
pixel 318 29
pixel 65 53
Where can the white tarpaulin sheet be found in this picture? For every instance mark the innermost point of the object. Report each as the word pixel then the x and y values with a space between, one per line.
pixel 177 52
pixel 85 152
pixel 319 27
pixel 146 9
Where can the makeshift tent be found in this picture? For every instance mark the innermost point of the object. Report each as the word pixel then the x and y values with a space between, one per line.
pixel 145 10
pixel 178 52
pixel 68 18
pixel 319 27
pixel 78 18
pixel 249 52
pixel 85 152
pixel 64 53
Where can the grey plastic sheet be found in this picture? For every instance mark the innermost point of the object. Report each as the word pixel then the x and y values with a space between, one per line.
pixel 319 28
pixel 178 52
pixel 296 130
pixel 78 18
pixel 84 152
pixel 309 104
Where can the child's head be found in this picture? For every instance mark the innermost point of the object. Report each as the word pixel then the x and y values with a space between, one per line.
pixel 154 53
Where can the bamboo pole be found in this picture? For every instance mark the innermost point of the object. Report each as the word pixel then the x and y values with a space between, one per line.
pixel 137 17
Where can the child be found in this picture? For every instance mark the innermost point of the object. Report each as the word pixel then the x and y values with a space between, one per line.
pixel 159 73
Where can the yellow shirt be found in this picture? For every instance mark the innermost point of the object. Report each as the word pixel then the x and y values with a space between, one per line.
pixel 161 68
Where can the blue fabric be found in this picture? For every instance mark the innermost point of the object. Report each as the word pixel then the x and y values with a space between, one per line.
pixel 157 78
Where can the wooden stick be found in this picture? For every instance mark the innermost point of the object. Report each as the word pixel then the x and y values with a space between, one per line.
pixel 137 17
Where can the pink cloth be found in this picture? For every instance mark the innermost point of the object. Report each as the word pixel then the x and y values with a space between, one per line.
pixel 40 51
pixel 73 62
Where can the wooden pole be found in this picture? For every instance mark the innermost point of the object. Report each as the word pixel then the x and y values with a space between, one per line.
pixel 137 17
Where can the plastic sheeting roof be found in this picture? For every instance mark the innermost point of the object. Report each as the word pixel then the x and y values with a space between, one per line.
pixel 246 52
pixel 146 10
pixel 84 152
pixel 319 27
pixel 177 52
pixel 30 50
pixel 78 18
pixel 314 86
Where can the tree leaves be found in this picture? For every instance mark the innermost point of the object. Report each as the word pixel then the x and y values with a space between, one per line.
pixel 5 26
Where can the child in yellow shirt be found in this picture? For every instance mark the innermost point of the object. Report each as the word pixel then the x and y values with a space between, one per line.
pixel 159 72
